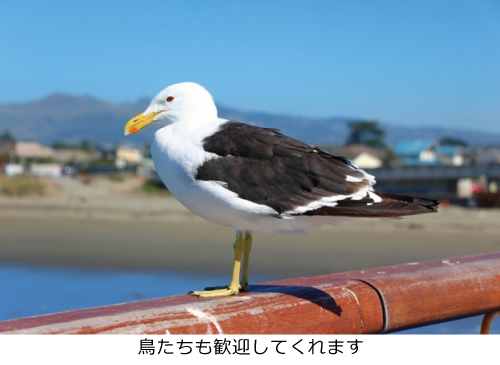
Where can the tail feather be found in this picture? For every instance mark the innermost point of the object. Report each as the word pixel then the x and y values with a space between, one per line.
pixel 391 206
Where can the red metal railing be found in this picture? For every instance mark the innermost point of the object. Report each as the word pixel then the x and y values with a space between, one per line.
pixel 368 301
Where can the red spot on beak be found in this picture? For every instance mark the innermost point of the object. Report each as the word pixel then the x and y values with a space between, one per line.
pixel 133 130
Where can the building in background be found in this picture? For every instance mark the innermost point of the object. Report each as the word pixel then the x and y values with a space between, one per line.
pixel 12 169
pixel 33 151
pixel 46 169
pixel 490 155
pixel 131 155
pixel 127 156
pixel 417 152
pixel 363 156
pixel 450 155
pixel 39 158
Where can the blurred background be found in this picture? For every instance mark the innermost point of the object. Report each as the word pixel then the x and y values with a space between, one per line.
pixel 408 90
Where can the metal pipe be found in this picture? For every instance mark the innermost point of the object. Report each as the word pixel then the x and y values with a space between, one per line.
pixel 367 301
pixel 486 323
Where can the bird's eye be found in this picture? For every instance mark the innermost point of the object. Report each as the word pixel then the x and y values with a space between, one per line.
pixel 169 99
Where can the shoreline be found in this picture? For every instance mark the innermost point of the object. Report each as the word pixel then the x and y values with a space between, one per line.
pixel 189 244
pixel 112 226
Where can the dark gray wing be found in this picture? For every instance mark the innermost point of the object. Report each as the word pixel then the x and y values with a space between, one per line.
pixel 264 166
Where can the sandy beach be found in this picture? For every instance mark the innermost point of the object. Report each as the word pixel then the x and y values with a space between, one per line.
pixel 111 225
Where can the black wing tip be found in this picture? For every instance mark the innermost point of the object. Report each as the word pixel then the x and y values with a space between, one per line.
pixel 430 204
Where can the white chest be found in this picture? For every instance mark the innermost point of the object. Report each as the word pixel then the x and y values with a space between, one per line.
pixel 176 157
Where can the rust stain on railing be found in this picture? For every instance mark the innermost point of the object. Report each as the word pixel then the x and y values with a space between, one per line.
pixel 368 301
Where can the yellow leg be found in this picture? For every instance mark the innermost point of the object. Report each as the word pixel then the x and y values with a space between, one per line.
pixel 246 261
pixel 234 287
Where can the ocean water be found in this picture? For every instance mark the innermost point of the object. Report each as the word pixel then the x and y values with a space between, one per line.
pixel 29 291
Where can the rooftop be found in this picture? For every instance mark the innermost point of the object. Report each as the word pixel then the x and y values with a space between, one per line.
pixel 33 150
pixel 414 147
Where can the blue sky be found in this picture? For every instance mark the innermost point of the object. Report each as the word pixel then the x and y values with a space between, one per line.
pixel 401 62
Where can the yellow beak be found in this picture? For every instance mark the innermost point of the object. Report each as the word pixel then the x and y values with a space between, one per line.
pixel 138 122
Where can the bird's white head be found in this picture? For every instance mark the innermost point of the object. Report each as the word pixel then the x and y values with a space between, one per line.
pixel 179 102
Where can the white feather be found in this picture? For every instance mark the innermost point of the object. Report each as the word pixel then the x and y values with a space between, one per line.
pixel 353 179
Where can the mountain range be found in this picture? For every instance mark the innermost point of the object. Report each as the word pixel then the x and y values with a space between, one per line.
pixel 73 118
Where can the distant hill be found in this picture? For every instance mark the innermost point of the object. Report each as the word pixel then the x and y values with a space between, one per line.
pixel 73 118
pixel 69 118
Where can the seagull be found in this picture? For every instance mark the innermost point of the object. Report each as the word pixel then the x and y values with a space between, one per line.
pixel 255 179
